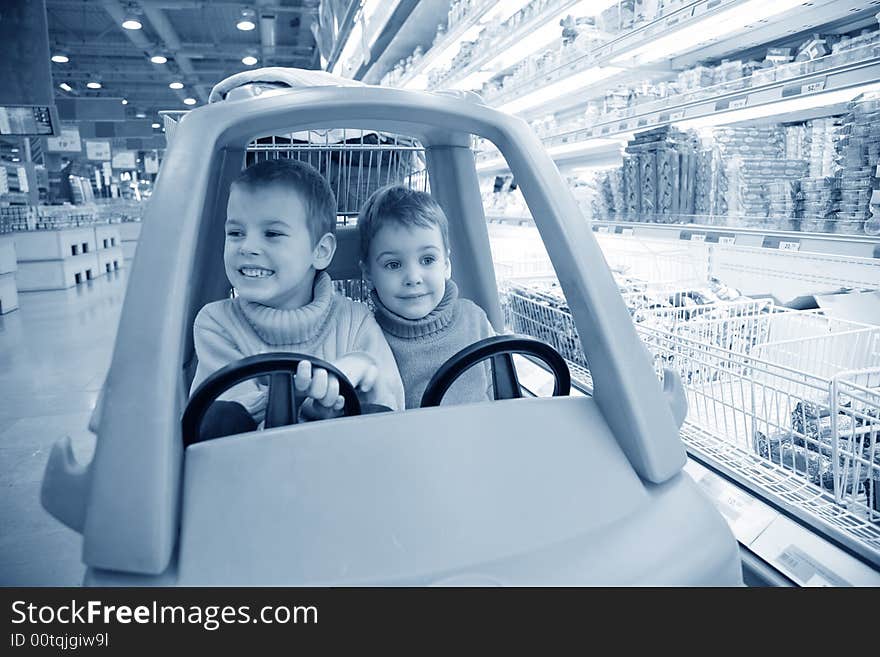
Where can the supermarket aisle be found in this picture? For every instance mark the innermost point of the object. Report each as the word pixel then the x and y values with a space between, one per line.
pixel 54 354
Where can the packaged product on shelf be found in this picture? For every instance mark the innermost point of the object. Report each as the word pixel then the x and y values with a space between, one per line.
pixel 618 17
pixel 812 48
pixel 632 187
pixel 729 71
pixel 779 448
pixel 696 77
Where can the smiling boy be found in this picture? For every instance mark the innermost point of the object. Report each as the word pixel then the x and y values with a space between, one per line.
pixel 280 236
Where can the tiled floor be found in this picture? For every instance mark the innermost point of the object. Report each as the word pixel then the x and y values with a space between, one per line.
pixel 54 353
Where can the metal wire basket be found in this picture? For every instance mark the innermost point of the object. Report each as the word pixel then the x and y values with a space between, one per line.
pixel 354 162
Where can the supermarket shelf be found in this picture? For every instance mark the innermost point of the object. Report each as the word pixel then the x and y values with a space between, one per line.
pixel 445 47
pixel 792 99
pixel 824 90
pixel 797 552
pixel 597 152
pixel 455 80
pixel 576 79
pixel 819 87
pixel 779 240
pixel 416 29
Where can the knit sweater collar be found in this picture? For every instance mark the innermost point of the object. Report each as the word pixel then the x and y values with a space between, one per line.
pixel 280 327
pixel 436 320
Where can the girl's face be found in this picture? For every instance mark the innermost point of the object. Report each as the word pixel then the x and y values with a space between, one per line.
pixel 408 267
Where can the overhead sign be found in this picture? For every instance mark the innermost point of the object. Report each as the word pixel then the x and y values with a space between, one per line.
pixel 67 142
pixel 97 150
pixel 124 160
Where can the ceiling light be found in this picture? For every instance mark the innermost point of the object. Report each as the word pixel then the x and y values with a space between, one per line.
pixel 158 59
pixel 189 101
pixel 65 86
pixel 132 24
pixel 140 115
pixel 125 101
pixel 246 22
pixel 249 60
pixel 176 85
pixel 93 85
pixel 156 126
pixel 60 59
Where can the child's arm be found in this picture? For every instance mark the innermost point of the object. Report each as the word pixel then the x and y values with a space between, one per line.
pixel 216 349
pixel 387 389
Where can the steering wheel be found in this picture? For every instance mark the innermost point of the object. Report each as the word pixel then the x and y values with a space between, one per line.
pixel 500 349
pixel 282 406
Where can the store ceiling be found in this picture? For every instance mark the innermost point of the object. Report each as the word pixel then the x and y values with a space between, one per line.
pixel 199 38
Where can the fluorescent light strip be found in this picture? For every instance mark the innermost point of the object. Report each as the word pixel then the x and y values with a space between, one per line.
pixel 709 30
pixel 585 147
pixel 559 88
pixel 577 148
pixel 812 101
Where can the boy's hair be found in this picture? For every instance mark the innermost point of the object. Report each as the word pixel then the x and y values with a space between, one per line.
pixel 305 179
pixel 403 206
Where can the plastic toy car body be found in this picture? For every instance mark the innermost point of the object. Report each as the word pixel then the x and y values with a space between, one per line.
pixel 584 490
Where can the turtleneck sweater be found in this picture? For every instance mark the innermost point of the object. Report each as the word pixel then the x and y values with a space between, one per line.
pixel 421 346
pixel 328 327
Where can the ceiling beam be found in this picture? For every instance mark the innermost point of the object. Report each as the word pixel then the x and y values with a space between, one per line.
pixel 188 4
pixel 189 49
pixel 117 13
pixel 168 34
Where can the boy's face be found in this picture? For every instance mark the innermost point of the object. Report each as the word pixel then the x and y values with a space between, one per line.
pixel 268 254
pixel 408 267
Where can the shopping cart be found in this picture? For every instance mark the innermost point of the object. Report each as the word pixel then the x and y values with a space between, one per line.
pixel 386 498
pixel 760 383
pixel 355 162
pixel 784 417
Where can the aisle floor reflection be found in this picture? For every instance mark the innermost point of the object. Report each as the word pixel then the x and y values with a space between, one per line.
pixel 54 354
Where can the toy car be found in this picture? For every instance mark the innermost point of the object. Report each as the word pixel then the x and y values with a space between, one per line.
pixel 563 490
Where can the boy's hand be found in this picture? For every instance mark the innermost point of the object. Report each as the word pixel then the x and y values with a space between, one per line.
pixel 321 389
pixel 360 368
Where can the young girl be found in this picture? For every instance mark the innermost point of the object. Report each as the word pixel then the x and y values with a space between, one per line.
pixel 404 237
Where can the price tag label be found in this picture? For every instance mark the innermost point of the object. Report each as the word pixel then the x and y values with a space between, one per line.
pixel 726 240
pixel 627 231
pixel 698 237
pixel 603 229
pixel 623 126
pixel 676 116
pixel 807 571
pixel 789 246
pixel 812 87
pixel 738 103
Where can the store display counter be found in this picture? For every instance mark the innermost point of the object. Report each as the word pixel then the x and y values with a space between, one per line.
pixel 60 259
